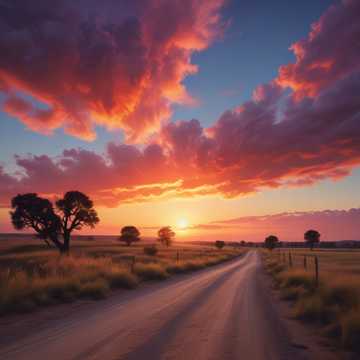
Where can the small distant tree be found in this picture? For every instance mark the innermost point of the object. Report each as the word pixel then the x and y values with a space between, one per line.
pixel 74 211
pixel 219 244
pixel 166 235
pixel 311 238
pixel 271 242
pixel 129 234
pixel 242 243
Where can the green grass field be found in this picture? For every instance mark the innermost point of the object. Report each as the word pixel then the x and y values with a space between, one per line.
pixel 33 275
pixel 333 302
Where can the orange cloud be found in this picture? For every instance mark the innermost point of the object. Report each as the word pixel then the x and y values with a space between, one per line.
pixel 119 64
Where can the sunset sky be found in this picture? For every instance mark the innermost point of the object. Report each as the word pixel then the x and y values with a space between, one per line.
pixel 224 119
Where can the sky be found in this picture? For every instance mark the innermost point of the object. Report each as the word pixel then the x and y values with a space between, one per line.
pixel 214 119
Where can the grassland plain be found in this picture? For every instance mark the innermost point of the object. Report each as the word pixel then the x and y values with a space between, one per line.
pixel 334 302
pixel 33 275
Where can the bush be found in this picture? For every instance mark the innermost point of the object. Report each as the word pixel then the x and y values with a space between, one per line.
pixel 340 294
pixel 95 290
pixel 122 278
pixel 293 293
pixel 295 278
pixel 350 330
pixel 150 271
pixel 150 250
pixel 312 308
pixel 219 244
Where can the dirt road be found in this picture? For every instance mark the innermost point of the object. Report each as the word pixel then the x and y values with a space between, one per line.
pixel 221 313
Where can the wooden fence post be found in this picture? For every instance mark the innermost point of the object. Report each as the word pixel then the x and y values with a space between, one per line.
pixel 316 271
pixel 132 266
pixel 290 260
pixel 177 256
pixel 305 262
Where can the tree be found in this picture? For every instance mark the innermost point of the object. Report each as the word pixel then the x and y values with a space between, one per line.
pixel 32 211
pixel 74 211
pixel 271 241
pixel 166 235
pixel 219 244
pixel 129 234
pixel 312 237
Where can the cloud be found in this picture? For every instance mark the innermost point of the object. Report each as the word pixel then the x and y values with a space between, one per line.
pixel 275 139
pixel 332 224
pixel 329 54
pixel 120 64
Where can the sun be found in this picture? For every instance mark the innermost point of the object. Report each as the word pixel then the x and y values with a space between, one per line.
pixel 182 224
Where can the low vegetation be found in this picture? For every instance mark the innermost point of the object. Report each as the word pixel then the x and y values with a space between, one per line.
pixel 333 302
pixel 32 275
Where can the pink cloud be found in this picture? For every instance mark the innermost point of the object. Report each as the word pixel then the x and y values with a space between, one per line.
pixel 332 224
pixel 116 64
pixel 329 54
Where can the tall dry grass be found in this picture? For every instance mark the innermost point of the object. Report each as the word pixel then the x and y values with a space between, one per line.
pixel 333 303
pixel 62 279
pixel 29 279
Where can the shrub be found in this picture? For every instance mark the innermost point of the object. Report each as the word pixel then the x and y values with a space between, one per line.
pixel 122 278
pixel 296 278
pixel 219 244
pixel 350 330
pixel 150 250
pixel 176 268
pixel 341 294
pixel 150 271
pixel 95 290
pixel 312 308
pixel 293 293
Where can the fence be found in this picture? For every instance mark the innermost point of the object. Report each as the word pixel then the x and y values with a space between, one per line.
pixel 288 258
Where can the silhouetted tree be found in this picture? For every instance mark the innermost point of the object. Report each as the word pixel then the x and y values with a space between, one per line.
pixel 271 241
pixel 219 244
pixel 32 211
pixel 166 235
pixel 312 237
pixel 72 212
pixel 129 234
pixel 242 243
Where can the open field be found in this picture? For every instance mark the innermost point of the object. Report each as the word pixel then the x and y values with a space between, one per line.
pixel 32 274
pixel 333 302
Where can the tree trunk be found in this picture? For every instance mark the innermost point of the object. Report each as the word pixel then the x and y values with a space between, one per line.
pixel 58 244
pixel 66 246
pixel 47 243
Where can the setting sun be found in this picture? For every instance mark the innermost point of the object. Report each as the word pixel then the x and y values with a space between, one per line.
pixel 182 224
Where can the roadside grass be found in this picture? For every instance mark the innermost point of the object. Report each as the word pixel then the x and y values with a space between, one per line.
pixel 34 278
pixel 151 271
pixel 334 304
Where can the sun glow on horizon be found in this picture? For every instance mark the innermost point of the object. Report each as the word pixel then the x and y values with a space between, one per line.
pixel 182 224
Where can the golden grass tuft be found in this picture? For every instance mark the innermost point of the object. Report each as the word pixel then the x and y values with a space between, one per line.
pixel 151 271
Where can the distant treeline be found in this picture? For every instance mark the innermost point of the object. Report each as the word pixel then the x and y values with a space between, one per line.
pixel 288 244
